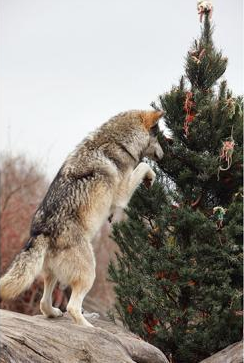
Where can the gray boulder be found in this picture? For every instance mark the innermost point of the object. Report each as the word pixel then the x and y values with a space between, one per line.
pixel 35 339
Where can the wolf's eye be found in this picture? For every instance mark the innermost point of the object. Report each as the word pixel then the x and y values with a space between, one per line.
pixel 154 130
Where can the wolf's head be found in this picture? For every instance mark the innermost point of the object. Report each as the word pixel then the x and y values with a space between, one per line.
pixel 150 120
pixel 130 136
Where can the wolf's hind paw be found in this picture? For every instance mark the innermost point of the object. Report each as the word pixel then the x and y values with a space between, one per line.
pixel 56 312
pixel 50 313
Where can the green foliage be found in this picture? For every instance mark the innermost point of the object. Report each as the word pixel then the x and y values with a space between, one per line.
pixel 204 64
pixel 178 276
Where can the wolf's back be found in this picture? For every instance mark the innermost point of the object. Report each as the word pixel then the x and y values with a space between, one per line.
pixel 24 269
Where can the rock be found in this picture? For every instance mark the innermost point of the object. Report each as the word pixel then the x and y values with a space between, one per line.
pixel 36 339
pixel 232 354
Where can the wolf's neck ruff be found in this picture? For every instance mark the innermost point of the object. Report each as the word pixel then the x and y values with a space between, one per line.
pixel 124 148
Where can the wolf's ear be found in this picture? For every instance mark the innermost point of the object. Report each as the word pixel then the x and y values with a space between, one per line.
pixel 150 118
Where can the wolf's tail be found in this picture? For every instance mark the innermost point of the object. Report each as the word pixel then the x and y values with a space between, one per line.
pixel 24 269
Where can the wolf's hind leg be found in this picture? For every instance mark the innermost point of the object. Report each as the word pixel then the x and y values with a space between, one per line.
pixel 79 291
pixel 46 302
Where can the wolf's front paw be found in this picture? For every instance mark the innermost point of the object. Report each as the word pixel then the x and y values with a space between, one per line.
pixel 149 179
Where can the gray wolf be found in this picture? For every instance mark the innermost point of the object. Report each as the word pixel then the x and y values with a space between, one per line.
pixel 100 175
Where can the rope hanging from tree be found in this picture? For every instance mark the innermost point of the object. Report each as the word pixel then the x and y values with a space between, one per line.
pixel 190 115
pixel 226 152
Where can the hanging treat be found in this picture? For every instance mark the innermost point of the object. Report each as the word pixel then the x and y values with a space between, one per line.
pixel 219 213
pixel 172 276
pixel 227 152
pixel 154 238
pixel 150 322
pixel 191 283
pixel 195 203
pixel 197 56
pixel 190 115
pixel 230 105
pixel 204 7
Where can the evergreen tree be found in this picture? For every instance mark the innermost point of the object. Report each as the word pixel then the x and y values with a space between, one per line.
pixel 178 278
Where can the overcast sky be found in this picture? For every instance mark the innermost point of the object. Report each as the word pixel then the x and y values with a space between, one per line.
pixel 66 66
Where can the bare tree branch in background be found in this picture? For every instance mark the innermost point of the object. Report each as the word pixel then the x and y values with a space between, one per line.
pixel 23 186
